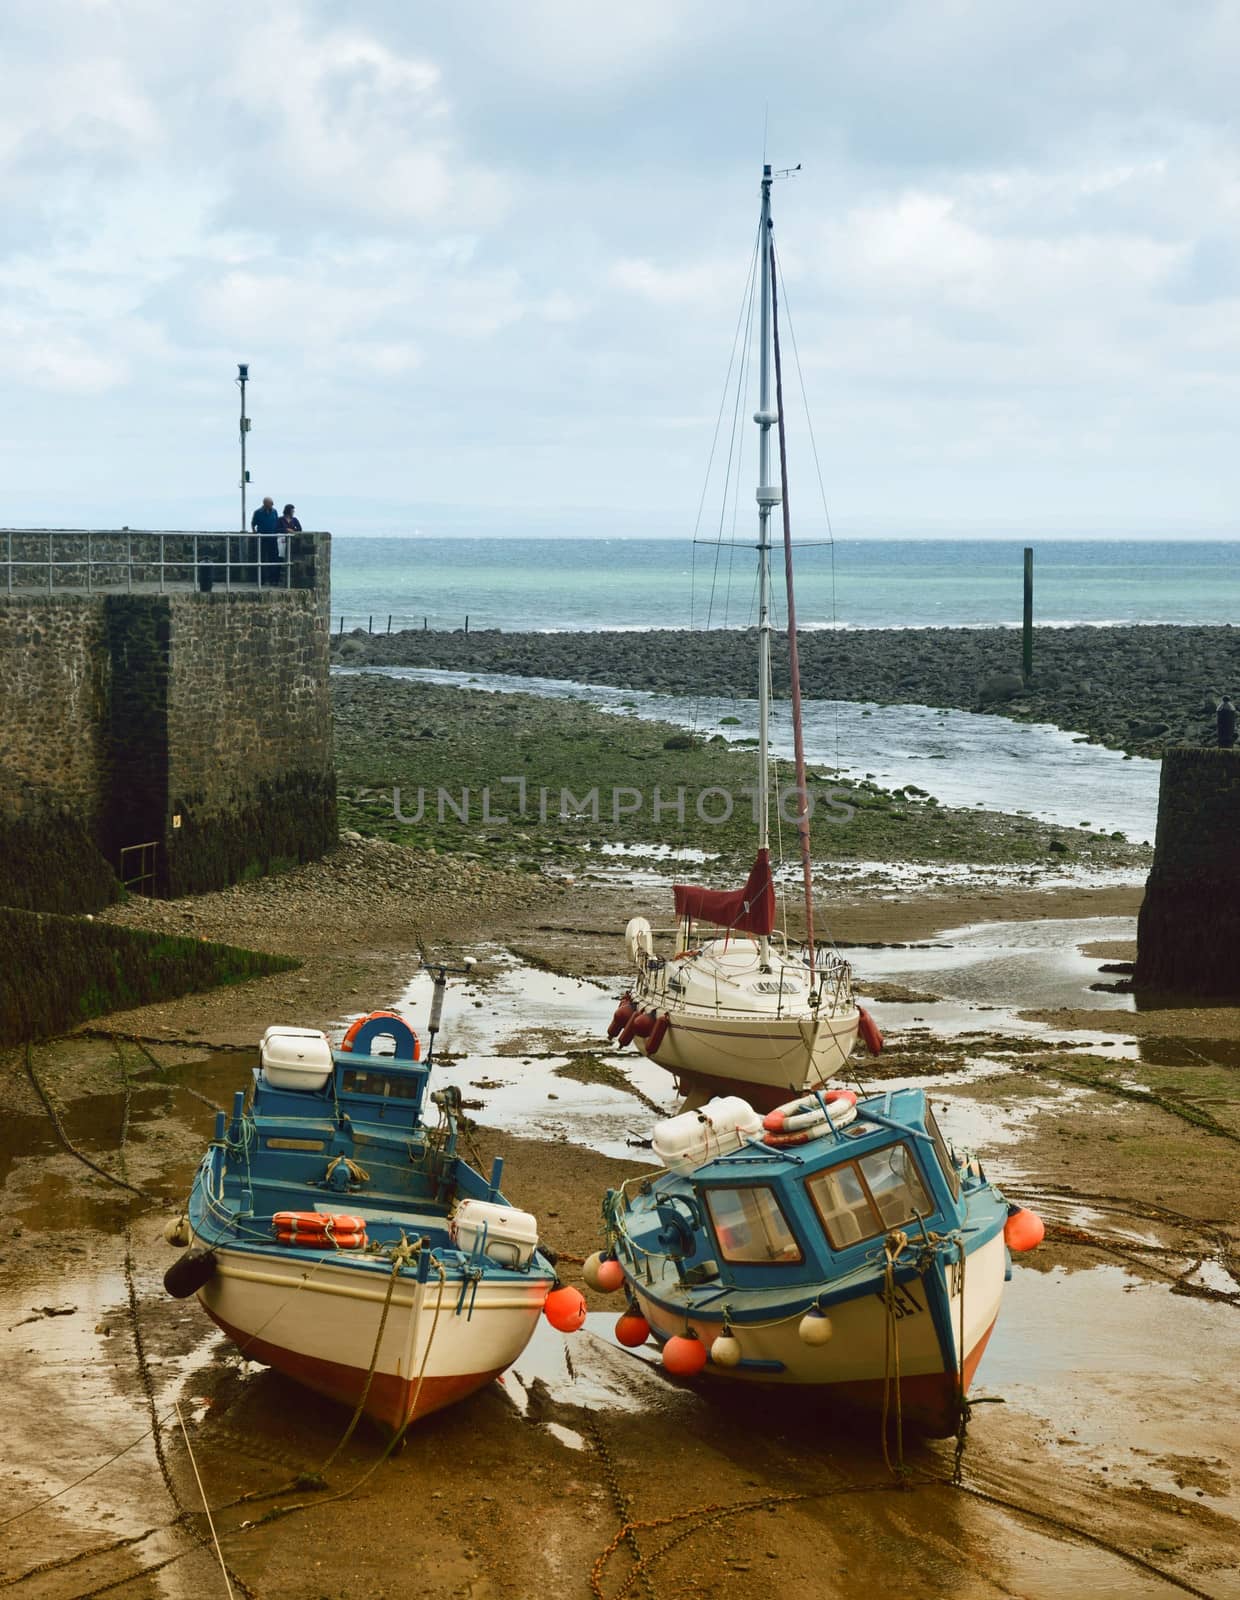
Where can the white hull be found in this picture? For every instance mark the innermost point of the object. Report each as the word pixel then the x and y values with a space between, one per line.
pixel 319 1321
pixel 785 1057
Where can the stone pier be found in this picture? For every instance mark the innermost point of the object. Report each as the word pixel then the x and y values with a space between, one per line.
pixel 154 694
pixel 1188 934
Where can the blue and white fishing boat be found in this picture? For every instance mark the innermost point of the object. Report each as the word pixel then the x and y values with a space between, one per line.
pixel 839 1244
pixel 338 1237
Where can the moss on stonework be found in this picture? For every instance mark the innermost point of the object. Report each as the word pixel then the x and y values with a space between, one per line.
pixel 56 972
pixel 280 824
pixel 50 863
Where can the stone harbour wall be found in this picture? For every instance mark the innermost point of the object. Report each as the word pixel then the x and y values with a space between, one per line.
pixel 200 721
pixel 1188 932
pixel 251 774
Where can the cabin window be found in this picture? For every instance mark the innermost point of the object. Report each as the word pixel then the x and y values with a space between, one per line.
pixel 950 1171
pixel 750 1226
pixel 359 1081
pixel 864 1198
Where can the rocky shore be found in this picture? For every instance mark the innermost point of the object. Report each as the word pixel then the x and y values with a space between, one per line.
pixel 1136 689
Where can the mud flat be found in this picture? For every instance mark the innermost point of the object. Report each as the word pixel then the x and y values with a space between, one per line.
pixel 1109 1463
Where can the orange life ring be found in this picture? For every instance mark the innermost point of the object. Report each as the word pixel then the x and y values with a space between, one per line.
pixel 356 1026
pixel 316 1222
pixel 869 1031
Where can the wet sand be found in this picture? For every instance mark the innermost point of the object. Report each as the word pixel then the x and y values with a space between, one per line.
pixel 1113 1356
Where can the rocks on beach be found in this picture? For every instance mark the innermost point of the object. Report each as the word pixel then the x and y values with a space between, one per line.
pixel 1135 689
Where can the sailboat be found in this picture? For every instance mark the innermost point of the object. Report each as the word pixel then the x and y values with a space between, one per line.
pixel 737 1008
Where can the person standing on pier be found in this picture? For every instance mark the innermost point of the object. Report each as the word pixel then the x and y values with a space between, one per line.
pixel 1225 718
pixel 266 524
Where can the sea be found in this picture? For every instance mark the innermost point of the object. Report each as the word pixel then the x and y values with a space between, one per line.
pixel 521 584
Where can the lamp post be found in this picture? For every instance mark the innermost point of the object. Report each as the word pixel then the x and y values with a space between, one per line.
pixel 243 377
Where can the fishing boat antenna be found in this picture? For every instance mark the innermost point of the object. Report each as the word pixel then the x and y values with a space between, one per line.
pixel 441 972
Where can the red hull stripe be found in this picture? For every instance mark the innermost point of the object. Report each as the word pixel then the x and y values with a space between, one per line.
pixel 390 1397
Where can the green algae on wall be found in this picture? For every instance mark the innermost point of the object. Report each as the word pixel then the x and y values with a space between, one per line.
pixel 56 972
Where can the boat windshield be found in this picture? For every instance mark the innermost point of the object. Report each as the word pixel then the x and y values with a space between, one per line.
pixel 750 1226
pixel 950 1170
pixel 861 1199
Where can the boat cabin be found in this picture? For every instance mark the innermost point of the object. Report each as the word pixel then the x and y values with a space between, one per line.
pixel 765 1217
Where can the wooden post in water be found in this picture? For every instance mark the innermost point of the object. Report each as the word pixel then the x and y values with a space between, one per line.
pixel 1027 642
pixel 389 622
pixel 370 624
pixel 466 622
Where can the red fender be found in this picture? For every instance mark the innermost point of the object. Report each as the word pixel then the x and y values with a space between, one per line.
pixel 643 1024
pixel 869 1031
pixel 623 1012
pixel 658 1033
pixel 629 1029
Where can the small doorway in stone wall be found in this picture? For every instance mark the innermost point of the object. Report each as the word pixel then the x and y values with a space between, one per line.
pixel 138 867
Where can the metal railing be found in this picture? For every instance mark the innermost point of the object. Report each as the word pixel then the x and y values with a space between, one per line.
pixel 138 867
pixel 48 561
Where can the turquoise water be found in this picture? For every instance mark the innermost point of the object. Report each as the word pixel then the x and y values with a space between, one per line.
pixel 531 584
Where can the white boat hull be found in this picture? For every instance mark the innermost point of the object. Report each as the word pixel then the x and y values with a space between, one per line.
pixel 318 1322
pixel 851 1368
pixel 768 1061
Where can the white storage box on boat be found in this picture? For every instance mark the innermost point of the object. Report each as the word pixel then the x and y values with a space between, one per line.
pixel 696 1137
pixel 295 1058
pixel 509 1237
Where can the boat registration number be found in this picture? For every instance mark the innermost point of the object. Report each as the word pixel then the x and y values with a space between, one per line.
pixel 904 1302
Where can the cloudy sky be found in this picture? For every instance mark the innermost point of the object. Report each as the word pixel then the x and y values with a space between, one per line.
pixel 486 259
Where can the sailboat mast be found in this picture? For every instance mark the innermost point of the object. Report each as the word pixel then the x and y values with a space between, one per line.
pixel 794 664
pixel 768 496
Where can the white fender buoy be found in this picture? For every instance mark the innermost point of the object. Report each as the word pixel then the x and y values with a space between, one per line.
pixel 725 1351
pixel 815 1328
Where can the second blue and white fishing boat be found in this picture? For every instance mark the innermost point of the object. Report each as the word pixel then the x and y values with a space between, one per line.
pixel 839 1244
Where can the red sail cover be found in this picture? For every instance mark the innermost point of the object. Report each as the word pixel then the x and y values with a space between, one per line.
pixel 747 910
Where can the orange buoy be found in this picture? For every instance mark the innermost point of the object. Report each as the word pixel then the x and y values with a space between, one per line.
pixel 632 1330
pixel 1023 1230
pixel 684 1354
pixel 609 1275
pixel 869 1031
pixel 565 1309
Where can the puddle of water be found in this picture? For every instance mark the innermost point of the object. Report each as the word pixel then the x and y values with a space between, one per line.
pixel 513 1008
pixel 1024 966
pixel 1098 1353
pixel 527 1098
pixel 589 1369
pixel 658 852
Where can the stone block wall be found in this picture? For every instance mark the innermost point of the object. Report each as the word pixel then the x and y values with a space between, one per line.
pixel 201 721
pixel 1188 932
pixel 251 776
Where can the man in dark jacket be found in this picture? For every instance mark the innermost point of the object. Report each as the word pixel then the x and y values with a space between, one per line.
pixel 266 524
pixel 1225 720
